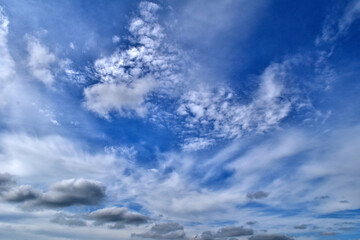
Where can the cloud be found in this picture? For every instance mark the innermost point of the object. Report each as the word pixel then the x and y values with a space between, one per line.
pixel 68 220
pixel 6 181
pixel 328 233
pixel 225 233
pixel 335 27
pixel 195 144
pixel 212 114
pixel 257 195
pixel 40 61
pixel 163 231
pixel 119 216
pixel 7 64
pixel 128 76
pixel 270 237
pixel 302 226
pixel 104 98
pixel 73 192
pixel 22 193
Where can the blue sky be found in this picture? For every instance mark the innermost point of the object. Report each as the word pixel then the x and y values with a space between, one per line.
pixel 207 120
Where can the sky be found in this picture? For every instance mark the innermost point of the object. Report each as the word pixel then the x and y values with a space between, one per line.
pixel 181 120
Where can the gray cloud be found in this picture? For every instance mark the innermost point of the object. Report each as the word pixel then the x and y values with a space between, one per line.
pixel 270 237
pixel 6 180
pixel 233 232
pixel 301 226
pixel 119 216
pixel 68 220
pixel 163 231
pixel 22 193
pixel 226 232
pixel 257 195
pixel 73 192
pixel 251 222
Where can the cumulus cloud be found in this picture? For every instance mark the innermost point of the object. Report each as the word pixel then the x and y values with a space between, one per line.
pixel 163 231
pixel 40 61
pixel 22 193
pixel 68 220
pixel 107 97
pixel 270 237
pixel 73 192
pixel 118 216
pixel 257 195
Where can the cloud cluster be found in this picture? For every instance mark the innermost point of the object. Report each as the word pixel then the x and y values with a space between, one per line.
pixel 61 194
pixel 128 76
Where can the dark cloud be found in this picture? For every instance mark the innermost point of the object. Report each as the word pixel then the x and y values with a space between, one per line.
pixel 233 232
pixel 226 232
pixel 270 237
pixel 68 220
pixel 118 216
pixel 22 194
pixel 257 195
pixel 6 181
pixel 301 226
pixel 344 201
pixel 73 192
pixel 163 231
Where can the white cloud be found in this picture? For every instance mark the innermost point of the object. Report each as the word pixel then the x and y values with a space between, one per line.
pixel 334 27
pixel 103 98
pixel 220 114
pixel 127 76
pixel 40 61
pixel 7 64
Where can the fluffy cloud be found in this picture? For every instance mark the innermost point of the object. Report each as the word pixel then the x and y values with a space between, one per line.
pixel 73 192
pixel 118 216
pixel 163 231
pixel 22 194
pixel 61 194
pixel 40 61
pixel 128 76
pixel 104 98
